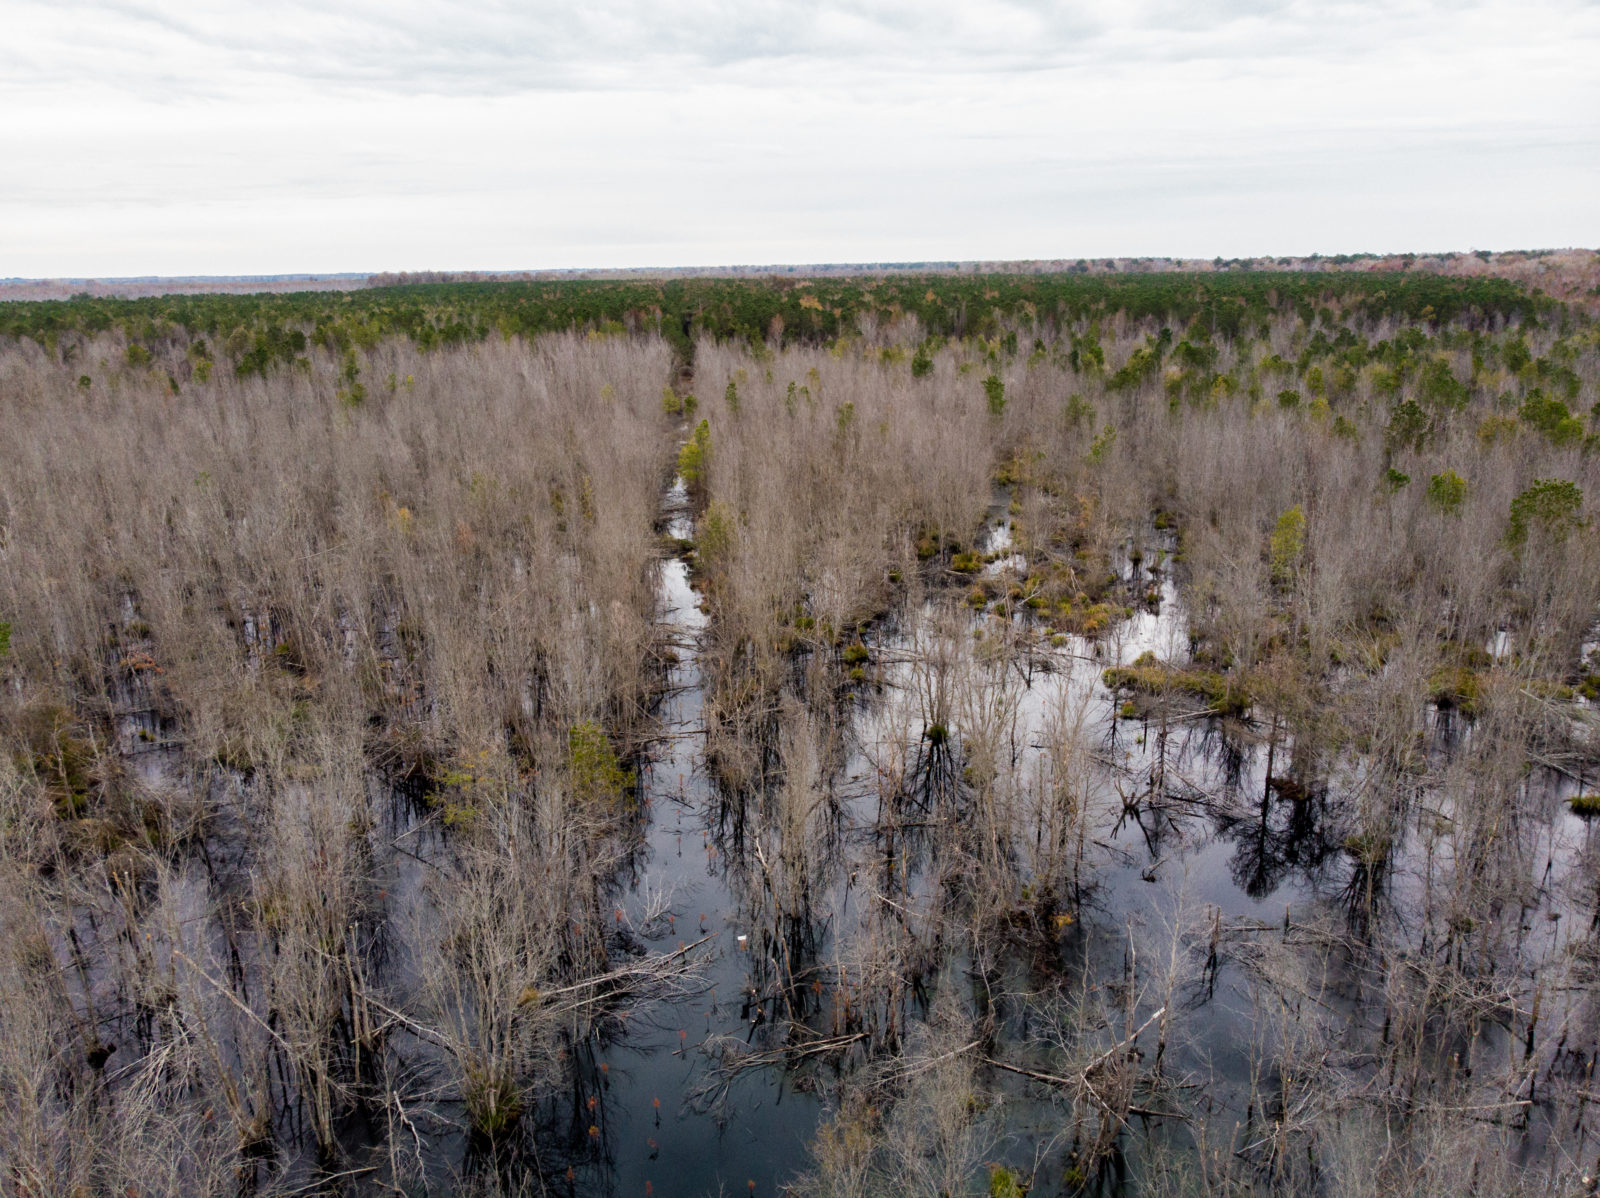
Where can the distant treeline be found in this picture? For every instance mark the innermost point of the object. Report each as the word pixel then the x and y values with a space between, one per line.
pixel 260 331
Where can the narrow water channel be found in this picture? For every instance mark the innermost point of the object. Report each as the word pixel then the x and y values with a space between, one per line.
pixel 662 1117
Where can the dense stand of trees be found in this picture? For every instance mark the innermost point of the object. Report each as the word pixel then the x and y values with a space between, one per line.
pixel 256 332
pixel 330 649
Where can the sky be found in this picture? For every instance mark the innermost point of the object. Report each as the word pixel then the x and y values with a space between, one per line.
pixel 274 136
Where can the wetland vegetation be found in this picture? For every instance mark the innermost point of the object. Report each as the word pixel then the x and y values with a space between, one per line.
pixel 1063 734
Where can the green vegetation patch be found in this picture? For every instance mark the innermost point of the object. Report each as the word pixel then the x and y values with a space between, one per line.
pixel 265 332
pixel 1151 676
pixel 1551 504
pixel 1458 688
pixel 694 457
pixel 597 775
pixel 55 749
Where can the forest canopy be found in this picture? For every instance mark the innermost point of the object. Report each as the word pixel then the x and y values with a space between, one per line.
pixel 259 330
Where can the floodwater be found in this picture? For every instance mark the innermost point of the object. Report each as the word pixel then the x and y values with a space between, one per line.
pixel 719 1088
pixel 664 1118
pixel 1186 832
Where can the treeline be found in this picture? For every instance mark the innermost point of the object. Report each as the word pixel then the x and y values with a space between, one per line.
pixel 261 332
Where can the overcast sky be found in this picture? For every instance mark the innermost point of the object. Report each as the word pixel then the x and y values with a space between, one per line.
pixel 232 137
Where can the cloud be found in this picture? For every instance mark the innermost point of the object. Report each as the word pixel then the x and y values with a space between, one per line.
pixel 497 48
pixel 139 137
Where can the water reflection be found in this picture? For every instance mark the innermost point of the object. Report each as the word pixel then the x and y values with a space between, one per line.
pixel 1281 837
pixel 837 844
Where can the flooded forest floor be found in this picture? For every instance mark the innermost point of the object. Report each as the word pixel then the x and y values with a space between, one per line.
pixel 922 767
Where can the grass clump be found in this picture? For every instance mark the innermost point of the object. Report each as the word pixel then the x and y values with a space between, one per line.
pixel 1368 848
pixel 54 749
pixel 1082 616
pixel 1457 688
pixel 494 1105
pixel 1005 1183
pixel 1149 675
pixel 1587 806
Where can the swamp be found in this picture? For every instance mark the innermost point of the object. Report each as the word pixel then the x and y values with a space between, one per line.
pixel 1067 735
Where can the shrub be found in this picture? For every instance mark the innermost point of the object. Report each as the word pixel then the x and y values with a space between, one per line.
pixel 1447 492
pixel 1288 543
pixel 1102 445
pixel 1551 503
pixel 1408 427
pixel 716 535
pixel 1552 418
pixel 693 457
pixel 994 390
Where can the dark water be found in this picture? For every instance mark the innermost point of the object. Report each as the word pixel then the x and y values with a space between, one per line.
pixel 664 1115
pixel 1220 848
pixel 715 1088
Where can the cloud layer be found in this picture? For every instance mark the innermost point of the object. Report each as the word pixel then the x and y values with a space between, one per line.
pixel 225 137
